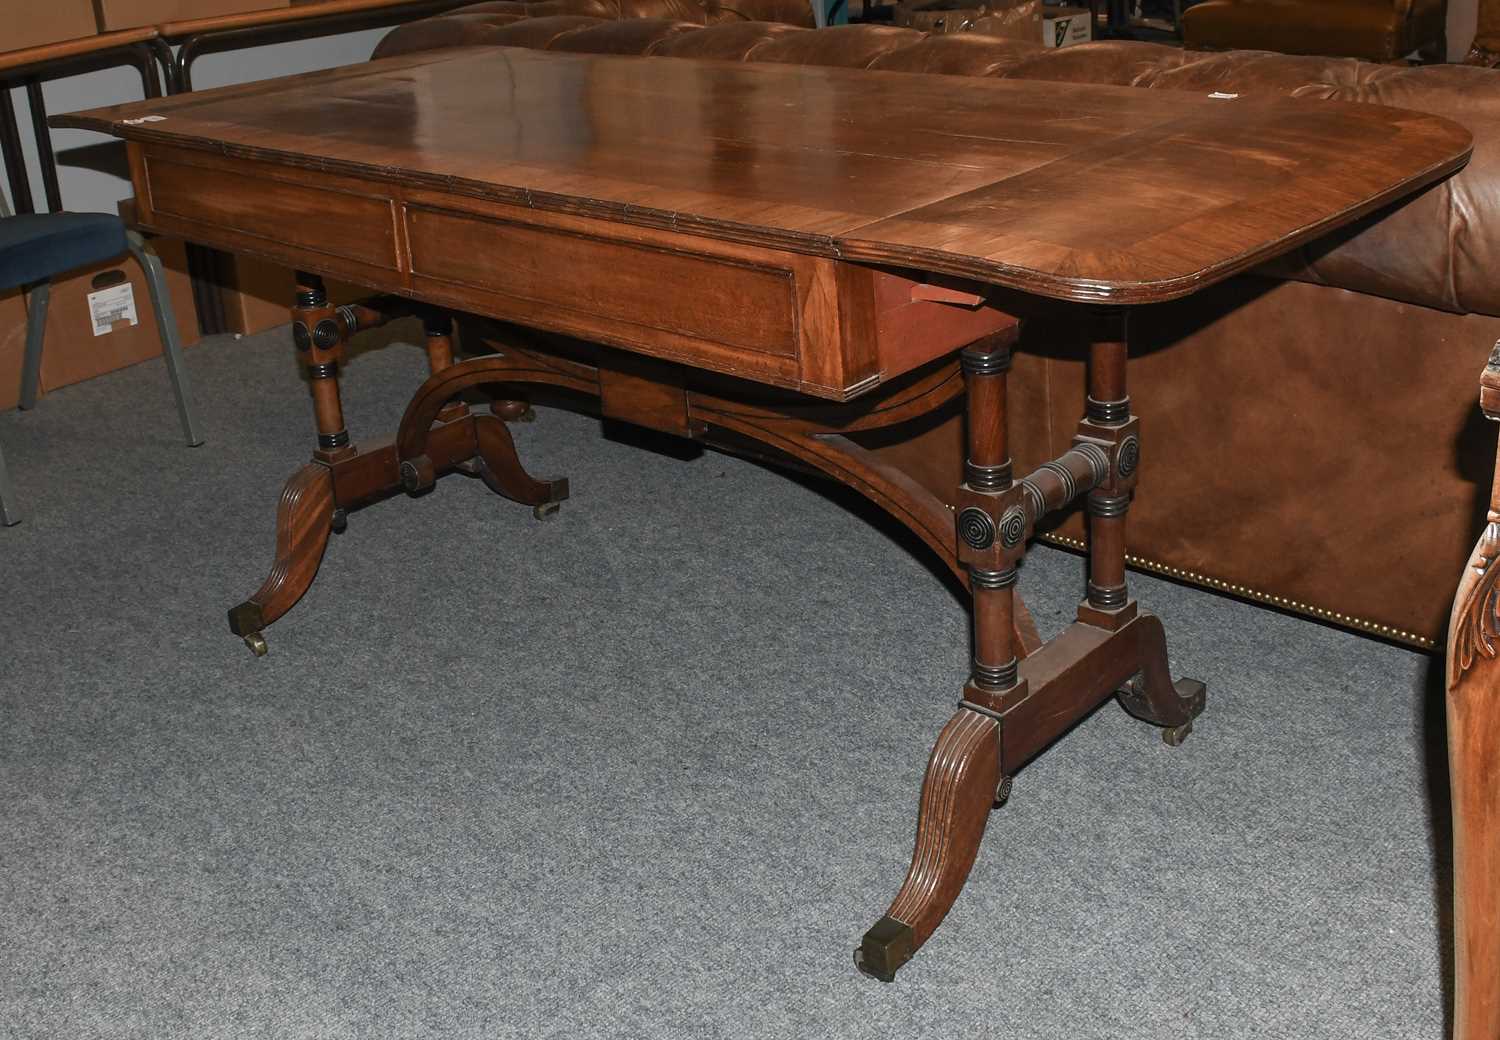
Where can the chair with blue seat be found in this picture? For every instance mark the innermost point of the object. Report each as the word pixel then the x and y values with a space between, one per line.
pixel 36 247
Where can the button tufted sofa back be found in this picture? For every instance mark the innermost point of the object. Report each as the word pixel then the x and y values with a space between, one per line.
pixel 1438 249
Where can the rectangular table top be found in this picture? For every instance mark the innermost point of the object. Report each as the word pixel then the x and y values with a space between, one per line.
pixel 1080 192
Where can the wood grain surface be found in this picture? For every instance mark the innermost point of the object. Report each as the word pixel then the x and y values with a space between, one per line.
pixel 1074 191
pixel 79 47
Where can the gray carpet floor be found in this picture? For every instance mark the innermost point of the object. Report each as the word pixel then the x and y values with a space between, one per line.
pixel 647 770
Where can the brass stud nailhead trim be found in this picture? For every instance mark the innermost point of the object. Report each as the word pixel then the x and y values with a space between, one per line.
pixel 1260 597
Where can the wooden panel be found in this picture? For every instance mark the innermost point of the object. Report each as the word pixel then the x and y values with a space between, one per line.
pixel 666 295
pixel 644 392
pixel 910 332
pixel 250 202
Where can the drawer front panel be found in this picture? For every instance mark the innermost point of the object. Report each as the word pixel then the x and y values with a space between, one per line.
pixel 676 303
pixel 331 222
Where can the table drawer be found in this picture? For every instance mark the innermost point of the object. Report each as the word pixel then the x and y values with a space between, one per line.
pixel 714 308
pixel 269 211
pixel 811 323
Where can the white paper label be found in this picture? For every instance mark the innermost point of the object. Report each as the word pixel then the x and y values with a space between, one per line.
pixel 107 306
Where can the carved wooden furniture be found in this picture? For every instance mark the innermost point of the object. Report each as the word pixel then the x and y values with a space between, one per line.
pixel 1383 321
pixel 1474 762
pixel 725 282
pixel 1484 50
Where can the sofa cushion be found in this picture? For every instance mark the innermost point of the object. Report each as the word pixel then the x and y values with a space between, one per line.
pixel 635 36
pixel 1358 28
pixel 461 29
pixel 540 33
pixel 958 54
pixel 846 46
pixel 729 41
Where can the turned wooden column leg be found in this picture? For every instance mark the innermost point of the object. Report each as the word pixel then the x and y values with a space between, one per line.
pixel 964 777
pixel 318 332
pixel 438 329
pixel 987 546
pixel 1108 413
pixel 1473 696
pixel 1153 696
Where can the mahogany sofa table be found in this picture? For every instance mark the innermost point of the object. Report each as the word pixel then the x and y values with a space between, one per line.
pixel 775 255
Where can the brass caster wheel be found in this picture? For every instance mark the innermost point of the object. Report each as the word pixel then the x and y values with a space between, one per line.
pixel 546 511
pixel 1173 736
pixel 529 415
pixel 257 644
pixel 340 522
pixel 864 968
pixel 1002 792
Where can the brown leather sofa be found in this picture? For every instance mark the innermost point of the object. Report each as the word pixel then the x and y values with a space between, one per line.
pixel 1375 30
pixel 1313 440
pixel 1485 48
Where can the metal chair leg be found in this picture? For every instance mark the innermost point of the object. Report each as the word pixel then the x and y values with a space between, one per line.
pixel 9 511
pixel 36 331
pixel 166 321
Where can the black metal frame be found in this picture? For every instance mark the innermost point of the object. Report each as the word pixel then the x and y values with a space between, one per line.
pixel 137 55
pixel 179 67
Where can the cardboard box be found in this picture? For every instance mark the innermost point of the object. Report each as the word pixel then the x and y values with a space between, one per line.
pixel 1065 26
pixel 71 351
pixel 12 346
pixel 257 294
pixel 127 14
pixel 35 23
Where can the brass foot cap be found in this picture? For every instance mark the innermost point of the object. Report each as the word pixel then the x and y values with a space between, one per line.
pixel 246 619
pixel 1173 736
pixel 885 947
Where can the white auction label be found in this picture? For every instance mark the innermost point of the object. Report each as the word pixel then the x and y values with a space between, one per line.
pixel 107 306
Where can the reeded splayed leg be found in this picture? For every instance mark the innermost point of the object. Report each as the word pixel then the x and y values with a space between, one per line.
pixel 306 512
pixel 1154 696
pixel 964 775
pixel 304 519
pixel 957 795
pixel 1473 706
pixel 500 468
pixel 495 460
